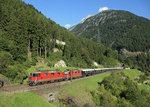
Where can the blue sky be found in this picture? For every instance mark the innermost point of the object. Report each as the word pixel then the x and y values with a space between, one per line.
pixel 70 12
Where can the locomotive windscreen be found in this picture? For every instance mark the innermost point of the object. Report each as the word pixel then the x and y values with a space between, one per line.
pixel 35 75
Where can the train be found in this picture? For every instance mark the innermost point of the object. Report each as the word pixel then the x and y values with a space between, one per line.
pixel 48 76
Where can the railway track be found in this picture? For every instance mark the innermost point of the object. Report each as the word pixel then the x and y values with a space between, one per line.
pixel 27 88
pixel 44 87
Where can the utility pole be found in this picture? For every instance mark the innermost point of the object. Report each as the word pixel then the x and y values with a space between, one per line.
pixel 98 36
pixel 45 48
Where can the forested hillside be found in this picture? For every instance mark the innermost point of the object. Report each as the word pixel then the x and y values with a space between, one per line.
pixel 120 30
pixel 118 90
pixel 26 35
pixel 117 29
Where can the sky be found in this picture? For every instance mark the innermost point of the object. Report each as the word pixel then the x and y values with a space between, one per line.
pixel 70 12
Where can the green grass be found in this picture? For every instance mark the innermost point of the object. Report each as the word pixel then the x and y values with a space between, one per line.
pixel 81 89
pixel 143 86
pixel 2 76
pixel 23 100
pixel 86 84
pixel 132 73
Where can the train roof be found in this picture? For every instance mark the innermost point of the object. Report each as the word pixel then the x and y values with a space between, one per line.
pixel 86 70
pixel 52 71
pixel 45 71
pixel 116 68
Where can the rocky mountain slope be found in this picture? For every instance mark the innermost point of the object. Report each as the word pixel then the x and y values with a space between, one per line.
pixel 117 29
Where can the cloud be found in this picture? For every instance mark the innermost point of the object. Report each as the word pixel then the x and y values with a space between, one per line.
pixel 67 26
pixel 103 9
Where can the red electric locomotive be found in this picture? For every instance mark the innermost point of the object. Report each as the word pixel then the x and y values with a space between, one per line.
pixel 45 76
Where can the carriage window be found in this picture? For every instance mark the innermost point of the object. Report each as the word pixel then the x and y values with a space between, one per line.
pixel 39 75
pixel 70 72
pixel 45 74
pixel 58 73
pixel 35 75
pixel 78 71
pixel 52 73
pixel 66 72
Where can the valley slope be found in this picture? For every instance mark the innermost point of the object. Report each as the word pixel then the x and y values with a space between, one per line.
pixel 123 31
pixel 117 29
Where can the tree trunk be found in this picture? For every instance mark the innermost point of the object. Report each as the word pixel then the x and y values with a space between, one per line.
pixel 29 49
pixel 54 41
pixel 40 51
pixel 40 48
pixel 45 49
pixel 37 51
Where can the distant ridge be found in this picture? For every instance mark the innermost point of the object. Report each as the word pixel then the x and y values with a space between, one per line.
pixel 116 29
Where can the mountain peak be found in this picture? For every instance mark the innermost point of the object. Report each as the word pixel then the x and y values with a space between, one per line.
pixel 82 21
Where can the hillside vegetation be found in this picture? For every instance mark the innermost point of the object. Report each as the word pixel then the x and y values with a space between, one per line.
pixel 26 36
pixel 80 90
pixel 119 90
pixel 108 90
pixel 120 30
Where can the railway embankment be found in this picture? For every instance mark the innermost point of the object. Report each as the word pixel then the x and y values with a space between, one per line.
pixel 76 92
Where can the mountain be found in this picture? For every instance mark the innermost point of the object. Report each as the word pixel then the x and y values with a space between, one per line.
pixel 116 29
pixel 86 18
pixel 122 31
pixel 27 37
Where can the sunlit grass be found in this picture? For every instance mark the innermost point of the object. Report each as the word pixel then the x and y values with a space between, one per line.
pixel 2 76
pixel 143 86
pixel 23 100
pixel 132 73
pixel 81 89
